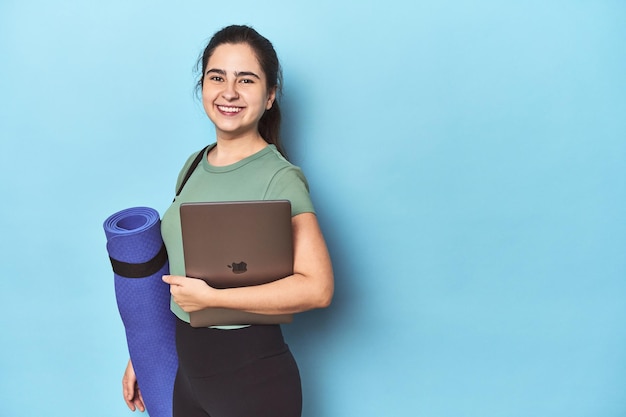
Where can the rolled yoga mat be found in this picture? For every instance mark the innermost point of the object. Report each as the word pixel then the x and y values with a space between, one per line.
pixel 139 260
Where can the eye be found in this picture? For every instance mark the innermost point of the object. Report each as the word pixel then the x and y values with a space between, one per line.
pixel 246 81
pixel 216 78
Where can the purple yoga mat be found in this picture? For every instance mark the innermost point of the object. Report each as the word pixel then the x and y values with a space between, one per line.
pixel 139 261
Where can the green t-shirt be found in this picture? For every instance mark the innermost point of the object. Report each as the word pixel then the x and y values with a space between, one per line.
pixel 265 175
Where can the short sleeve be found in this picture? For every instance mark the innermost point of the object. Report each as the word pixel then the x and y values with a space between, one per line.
pixel 290 184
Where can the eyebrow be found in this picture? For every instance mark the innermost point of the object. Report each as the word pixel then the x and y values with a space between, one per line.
pixel 237 73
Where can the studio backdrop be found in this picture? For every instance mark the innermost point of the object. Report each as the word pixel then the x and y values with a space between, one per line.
pixel 466 160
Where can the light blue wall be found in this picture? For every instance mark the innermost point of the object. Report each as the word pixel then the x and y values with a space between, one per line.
pixel 467 159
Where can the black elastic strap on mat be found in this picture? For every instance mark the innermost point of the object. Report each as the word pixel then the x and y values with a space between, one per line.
pixel 140 270
pixel 191 169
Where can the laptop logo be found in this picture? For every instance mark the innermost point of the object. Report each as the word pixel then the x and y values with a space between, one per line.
pixel 238 268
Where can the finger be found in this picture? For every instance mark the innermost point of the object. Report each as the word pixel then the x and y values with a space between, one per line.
pixel 128 399
pixel 128 394
pixel 129 385
pixel 139 401
pixel 171 279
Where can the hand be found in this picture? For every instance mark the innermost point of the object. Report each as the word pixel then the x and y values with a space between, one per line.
pixel 191 294
pixel 130 389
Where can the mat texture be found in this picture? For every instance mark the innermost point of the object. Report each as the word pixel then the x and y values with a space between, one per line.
pixel 139 261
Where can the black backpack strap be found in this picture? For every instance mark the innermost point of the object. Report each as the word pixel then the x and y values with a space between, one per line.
pixel 191 169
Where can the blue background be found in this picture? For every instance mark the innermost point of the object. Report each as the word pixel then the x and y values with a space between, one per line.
pixel 467 160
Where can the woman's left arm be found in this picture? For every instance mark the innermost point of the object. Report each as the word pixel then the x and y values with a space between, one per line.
pixel 311 285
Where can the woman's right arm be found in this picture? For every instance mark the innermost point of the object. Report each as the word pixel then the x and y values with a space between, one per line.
pixel 130 389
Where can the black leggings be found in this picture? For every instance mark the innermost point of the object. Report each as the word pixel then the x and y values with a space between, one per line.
pixel 246 372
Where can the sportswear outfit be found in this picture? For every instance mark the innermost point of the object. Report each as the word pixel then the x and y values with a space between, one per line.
pixel 244 370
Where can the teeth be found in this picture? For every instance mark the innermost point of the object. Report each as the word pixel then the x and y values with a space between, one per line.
pixel 229 109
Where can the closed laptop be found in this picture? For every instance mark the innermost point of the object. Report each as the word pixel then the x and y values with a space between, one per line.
pixel 237 244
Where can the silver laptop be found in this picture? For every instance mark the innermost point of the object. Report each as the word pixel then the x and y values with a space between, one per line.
pixel 237 244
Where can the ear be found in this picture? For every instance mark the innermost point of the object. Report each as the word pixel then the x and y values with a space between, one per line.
pixel 271 96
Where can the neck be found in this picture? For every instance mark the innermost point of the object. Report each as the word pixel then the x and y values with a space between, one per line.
pixel 228 151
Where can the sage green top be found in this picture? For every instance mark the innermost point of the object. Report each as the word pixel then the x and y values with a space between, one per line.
pixel 265 175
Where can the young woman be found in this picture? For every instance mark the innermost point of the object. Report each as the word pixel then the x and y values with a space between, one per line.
pixel 245 370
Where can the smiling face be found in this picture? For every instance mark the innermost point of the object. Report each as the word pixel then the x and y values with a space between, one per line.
pixel 234 91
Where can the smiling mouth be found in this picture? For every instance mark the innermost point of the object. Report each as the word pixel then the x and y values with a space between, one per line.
pixel 229 109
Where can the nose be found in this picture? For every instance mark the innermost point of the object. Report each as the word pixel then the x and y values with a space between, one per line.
pixel 230 91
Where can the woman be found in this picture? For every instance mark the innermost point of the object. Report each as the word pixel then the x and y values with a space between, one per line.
pixel 244 370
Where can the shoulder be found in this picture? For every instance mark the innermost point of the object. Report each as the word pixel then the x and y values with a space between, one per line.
pixel 282 165
pixel 285 171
